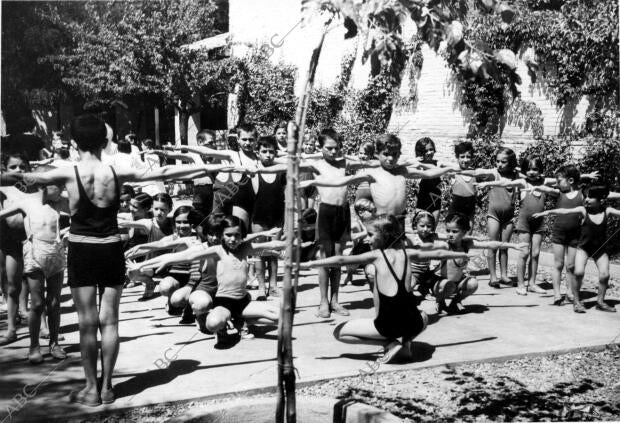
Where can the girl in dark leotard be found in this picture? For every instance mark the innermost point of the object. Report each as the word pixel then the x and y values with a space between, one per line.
pixel 592 242
pixel 397 317
pixel 429 190
pixel 501 213
pixel 529 229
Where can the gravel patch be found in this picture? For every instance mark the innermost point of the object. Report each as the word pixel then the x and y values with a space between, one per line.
pixel 581 386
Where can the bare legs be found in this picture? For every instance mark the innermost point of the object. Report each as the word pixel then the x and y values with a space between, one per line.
pixel 90 320
pixel 330 276
pixel 498 233
pixel 13 267
pixel 559 253
pixel 36 284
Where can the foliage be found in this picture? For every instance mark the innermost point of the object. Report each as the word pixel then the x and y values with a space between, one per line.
pixel 267 91
pixel 570 45
pixel 130 49
pixel 26 36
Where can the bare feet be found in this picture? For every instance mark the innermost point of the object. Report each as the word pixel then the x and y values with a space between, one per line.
pixel 338 309
pixel 87 396
pixel 323 311
pixel 107 396
pixel 35 356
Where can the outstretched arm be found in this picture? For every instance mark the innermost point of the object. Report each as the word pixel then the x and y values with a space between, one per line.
pixel 546 189
pixel 499 245
pixel 614 196
pixel 268 233
pixel 10 212
pixel 414 253
pixel 142 249
pixel 612 211
pixel 556 212
pixel 338 261
pixel 435 172
pixel 167 172
pixel 502 183
pixel 193 253
pixel 336 182
pixel 206 151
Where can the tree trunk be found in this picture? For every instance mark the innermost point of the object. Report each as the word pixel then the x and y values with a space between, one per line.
pixel 183 124
pixel 286 369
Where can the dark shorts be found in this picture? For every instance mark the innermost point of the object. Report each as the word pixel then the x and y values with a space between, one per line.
pixel 429 201
pixel 408 325
pixel 244 196
pixel 463 205
pixel 234 305
pixel 333 223
pixel 530 225
pixel 203 199
pixel 12 241
pixel 207 287
pixel 565 237
pixel 182 278
pixel 100 265
pixel 502 214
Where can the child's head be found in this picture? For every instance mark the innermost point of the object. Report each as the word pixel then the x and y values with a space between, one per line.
pixel 331 144
pixel 388 148
pixel 247 137
pixel 162 206
pixel 280 132
pixel 148 144
pixel 365 209
pixel 595 195
pixel 310 142
pixel 505 160
pixel 126 194
pixel 384 231
pixel 366 151
pixel 425 148
pixel 424 224
pixel 308 216
pixel 464 152
pixel 213 228
pixel 233 232
pixel 206 138
pixel 63 153
pixel 140 206
pixel 89 133
pixel 185 218
pixel 457 225
pixel 533 167
pixel 266 149
pixel 124 146
pixel 15 162
pixel 568 177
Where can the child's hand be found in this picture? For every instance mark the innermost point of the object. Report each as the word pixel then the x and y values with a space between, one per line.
pixel 523 246
pixel 273 232
pixel 132 252
pixel 305 265
pixel 591 175
pixel 538 215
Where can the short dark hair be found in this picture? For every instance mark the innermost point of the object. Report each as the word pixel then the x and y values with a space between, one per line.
pixel 282 124
pixel 461 220
pixel 599 191
pixel 247 127
pixel 89 132
pixel 25 123
pixel 463 147
pixel 148 143
pixel 389 230
pixel 193 217
pixel 124 146
pixel 144 200
pixel 233 221
pixel 213 224
pixel 421 144
pixel 206 132
pixel 569 171
pixel 329 133
pixel 163 197
pixel 268 141
pixel 388 142
pixel 512 157
pixel 127 190
pixel 369 148
pixel 64 153
pixel 528 161
pixel 17 155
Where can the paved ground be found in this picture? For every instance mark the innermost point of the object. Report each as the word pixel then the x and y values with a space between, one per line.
pixel 162 361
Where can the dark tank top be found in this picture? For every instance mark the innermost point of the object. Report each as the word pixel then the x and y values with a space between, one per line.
pixel 571 221
pixel 593 235
pixel 398 315
pixel 91 220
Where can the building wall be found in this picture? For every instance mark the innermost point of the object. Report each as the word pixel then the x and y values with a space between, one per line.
pixel 437 115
